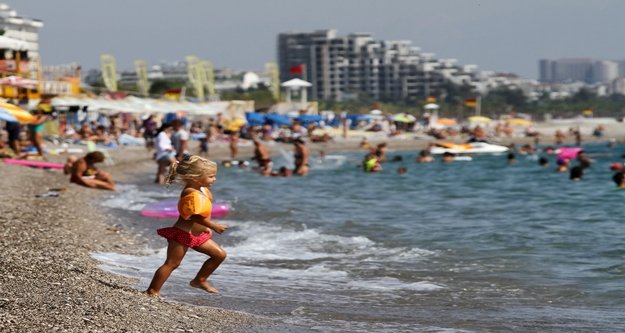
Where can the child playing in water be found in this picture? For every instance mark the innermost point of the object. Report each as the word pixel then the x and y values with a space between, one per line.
pixel 193 227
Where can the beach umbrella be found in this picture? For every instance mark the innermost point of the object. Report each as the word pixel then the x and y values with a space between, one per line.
pixel 404 118
pixel 479 119
pixel 20 114
pixel 431 106
pixel 518 122
pixel 447 121
pixel 6 116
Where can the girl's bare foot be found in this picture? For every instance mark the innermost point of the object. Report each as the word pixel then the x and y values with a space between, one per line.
pixel 152 293
pixel 206 286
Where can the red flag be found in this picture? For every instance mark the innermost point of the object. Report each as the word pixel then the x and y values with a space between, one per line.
pixel 299 69
pixel 470 102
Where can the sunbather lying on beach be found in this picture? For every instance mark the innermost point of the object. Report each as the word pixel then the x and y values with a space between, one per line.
pixel 83 172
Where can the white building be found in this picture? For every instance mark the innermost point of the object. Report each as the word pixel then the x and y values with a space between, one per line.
pixel 605 71
pixel 340 68
pixel 21 28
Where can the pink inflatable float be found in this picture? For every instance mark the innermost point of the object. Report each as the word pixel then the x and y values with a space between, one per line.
pixel 34 164
pixel 568 153
pixel 169 208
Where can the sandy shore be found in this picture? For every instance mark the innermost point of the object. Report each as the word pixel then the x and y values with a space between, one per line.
pixel 50 283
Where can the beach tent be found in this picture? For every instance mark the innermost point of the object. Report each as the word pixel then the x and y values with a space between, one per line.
pixel 354 119
pixel 278 119
pixel 306 119
pixel 255 118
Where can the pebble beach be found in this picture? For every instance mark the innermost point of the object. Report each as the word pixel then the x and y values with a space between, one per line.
pixel 50 283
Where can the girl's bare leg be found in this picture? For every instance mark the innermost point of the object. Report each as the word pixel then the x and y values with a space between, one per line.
pixel 175 253
pixel 217 256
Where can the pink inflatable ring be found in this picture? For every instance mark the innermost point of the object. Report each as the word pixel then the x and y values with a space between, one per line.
pixel 169 208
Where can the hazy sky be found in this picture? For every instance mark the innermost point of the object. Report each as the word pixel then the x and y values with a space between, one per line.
pixel 501 35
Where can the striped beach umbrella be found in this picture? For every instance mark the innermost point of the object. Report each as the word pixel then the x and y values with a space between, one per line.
pixel 20 114
pixel 6 116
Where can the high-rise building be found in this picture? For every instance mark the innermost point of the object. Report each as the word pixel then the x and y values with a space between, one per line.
pixel 342 68
pixel 21 28
pixel 579 69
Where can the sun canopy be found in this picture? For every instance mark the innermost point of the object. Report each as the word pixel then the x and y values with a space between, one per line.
pixel 306 119
pixel 133 104
pixel 447 121
pixel 18 113
pixel 6 116
pixel 255 118
pixel 296 83
pixel 278 119
pixel 431 106
pixel 479 119
pixel 518 122
pixel 404 118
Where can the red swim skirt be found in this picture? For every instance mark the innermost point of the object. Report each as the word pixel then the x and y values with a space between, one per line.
pixel 184 237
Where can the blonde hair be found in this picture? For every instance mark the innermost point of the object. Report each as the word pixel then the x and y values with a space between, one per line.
pixel 190 168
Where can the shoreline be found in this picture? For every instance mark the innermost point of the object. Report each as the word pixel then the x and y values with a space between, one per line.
pixel 52 283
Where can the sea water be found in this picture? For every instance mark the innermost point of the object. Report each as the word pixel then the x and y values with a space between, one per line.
pixel 468 246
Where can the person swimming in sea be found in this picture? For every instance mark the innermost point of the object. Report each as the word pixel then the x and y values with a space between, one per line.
pixel 619 179
pixel 448 157
pixel 371 163
pixel 577 173
pixel 424 157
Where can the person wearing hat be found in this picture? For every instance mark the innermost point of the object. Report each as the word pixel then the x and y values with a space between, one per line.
pixel 300 157
pixel 616 166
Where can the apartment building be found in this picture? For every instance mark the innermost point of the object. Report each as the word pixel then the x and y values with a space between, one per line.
pixel 585 70
pixel 21 28
pixel 343 68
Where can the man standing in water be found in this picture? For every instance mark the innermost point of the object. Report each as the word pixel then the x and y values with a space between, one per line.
pixel 301 157
pixel 261 155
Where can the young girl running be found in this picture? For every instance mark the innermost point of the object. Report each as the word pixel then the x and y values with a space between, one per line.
pixel 193 228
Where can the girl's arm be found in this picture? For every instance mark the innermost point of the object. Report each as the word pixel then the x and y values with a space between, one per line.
pixel 205 221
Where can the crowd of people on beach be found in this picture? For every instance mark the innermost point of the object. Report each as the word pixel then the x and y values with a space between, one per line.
pixel 170 137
